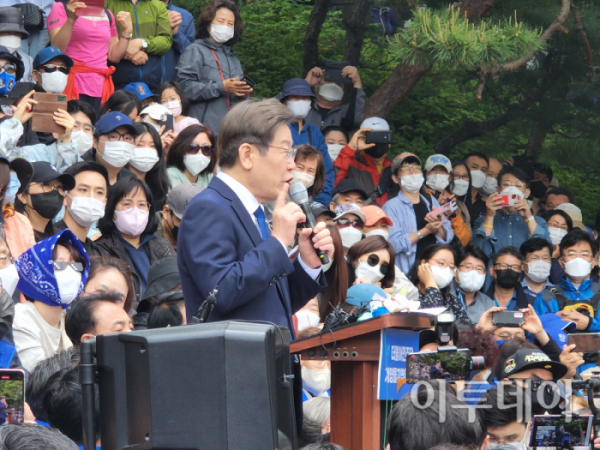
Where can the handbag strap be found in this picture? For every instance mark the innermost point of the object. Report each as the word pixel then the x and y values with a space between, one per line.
pixel 222 77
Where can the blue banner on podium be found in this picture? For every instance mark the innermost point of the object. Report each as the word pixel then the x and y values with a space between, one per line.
pixel 395 346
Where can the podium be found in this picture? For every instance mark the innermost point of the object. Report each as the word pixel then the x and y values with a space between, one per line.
pixel 354 352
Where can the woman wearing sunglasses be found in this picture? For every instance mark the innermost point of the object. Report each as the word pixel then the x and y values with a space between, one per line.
pixel 51 275
pixel 372 261
pixel 192 157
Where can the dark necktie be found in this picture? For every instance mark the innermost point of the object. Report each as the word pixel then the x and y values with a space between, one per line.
pixel 262 223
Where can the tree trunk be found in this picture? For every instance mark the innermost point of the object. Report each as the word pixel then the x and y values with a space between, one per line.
pixel 311 37
pixel 537 138
pixel 355 31
pixel 474 9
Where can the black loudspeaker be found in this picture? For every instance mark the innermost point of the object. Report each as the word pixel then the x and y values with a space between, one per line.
pixel 213 386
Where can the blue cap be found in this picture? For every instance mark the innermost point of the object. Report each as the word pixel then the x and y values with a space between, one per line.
pixel 556 328
pixel 363 293
pixel 296 86
pixel 113 120
pixel 140 90
pixel 48 53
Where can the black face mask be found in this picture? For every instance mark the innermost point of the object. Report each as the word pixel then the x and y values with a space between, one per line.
pixel 507 278
pixel 47 204
pixel 174 229
pixel 547 395
pixel 538 189
pixel 378 151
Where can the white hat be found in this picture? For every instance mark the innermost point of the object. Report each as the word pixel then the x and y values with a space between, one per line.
pixel 575 213
pixel 155 111
pixel 376 124
pixel 438 160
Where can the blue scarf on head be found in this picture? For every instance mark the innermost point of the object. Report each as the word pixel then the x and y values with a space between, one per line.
pixel 584 293
pixel 36 272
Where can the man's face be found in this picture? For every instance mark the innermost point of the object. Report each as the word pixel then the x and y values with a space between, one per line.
pixel 513 433
pixel 506 333
pixel 346 198
pixel 543 177
pixel 111 318
pixel 477 163
pixel 336 137
pixel 87 184
pixel 554 200
pixel 580 250
pixel 494 168
pixel 540 255
pixel 58 62
pixel 381 225
pixel 506 262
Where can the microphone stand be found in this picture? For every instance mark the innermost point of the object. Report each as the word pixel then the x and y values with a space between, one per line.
pixel 87 379
pixel 207 306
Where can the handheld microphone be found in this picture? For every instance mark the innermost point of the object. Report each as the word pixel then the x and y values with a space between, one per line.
pixel 299 195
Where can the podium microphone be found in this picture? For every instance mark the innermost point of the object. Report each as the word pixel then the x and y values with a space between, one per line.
pixel 299 195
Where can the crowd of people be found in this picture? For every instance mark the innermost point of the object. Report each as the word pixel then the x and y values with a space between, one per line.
pixel 157 104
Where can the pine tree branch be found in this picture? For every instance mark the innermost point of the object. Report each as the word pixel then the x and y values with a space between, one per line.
pixel 591 73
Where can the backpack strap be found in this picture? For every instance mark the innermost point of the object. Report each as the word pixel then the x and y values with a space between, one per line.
pixel 109 16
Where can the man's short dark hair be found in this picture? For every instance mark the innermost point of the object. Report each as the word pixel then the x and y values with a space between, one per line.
pixel 80 317
pixel 576 236
pixel 89 166
pixel 508 250
pixel 33 437
pixel 534 245
pixel 497 411
pixel 39 376
pixel 477 155
pixel 251 122
pixel 519 174
pixel 79 106
pixel 416 428
pixel 166 312
pixel 323 446
pixel 544 169
pixel 562 191
pixel 474 251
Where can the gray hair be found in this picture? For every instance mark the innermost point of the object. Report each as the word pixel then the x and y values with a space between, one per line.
pixel 317 409
pixel 250 122
pixel 33 437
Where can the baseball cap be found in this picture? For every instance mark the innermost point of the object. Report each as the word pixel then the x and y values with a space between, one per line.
pixel 398 160
pixel 296 86
pixel 349 185
pixel 363 293
pixel 113 120
pixel 575 213
pixel 180 196
pixel 155 111
pixel 375 123
pixel 140 90
pixel 48 53
pixel 527 358
pixel 163 276
pixel 318 209
pixel 374 214
pixel 44 171
pixel 348 208
pixel 438 160
pixel 556 328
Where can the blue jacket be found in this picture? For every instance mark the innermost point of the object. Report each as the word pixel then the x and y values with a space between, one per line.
pixel 312 135
pixel 184 37
pixel 256 280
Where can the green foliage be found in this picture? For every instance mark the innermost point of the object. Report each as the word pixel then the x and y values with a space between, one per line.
pixel 13 391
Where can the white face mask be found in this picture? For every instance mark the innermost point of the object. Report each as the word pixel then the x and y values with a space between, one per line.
pixel 299 108
pixel 539 271
pixel 117 153
pixel 144 158
pixel 477 178
pixel 350 236
pixel 438 182
pixel 412 183
pixel 379 232
pixel 54 82
pixel 174 107
pixel 305 178
pixel 83 140
pixel 508 445
pixel 460 187
pixel 442 276
pixel 368 273
pixel 556 235
pixel 490 186
pixel 221 33
pixel 307 319
pixel 196 163
pixel 11 42
pixel 316 381
pixel 471 281
pixel 513 190
pixel 331 92
pixel 578 268
pixel 69 282
pixel 10 279
pixel 86 210
pixel 334 150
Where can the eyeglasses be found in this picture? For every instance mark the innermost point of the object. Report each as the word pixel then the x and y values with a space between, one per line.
pixel 290 152
pixel 128 204
pixel 50 68
pixel 584 255
pixel 505 335
pixel 373 260
pixel 415 169
pixel 194 148
pixel 62 265
pixel 507 184
pixel 536 258
pixel 345 223
pixel 9 68
pixel 86 127
pixel 442 264
pixel 504 266
pixel 116 136
pixel 460 177
pixel 47 187
pixel 557 225
pixel 470 267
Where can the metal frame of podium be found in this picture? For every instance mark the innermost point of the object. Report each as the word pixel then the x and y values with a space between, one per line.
pixel 354 354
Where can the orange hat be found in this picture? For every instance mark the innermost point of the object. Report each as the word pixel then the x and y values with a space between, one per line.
pixel 374 214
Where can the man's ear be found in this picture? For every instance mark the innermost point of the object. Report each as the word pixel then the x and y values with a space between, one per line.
pixel 37 77
pixel 492 271
pixel 562 263
pixel 245 154
pixel 166 210
pixel 395 179
pixel 86 337
pixel 527 193
pixel 332 206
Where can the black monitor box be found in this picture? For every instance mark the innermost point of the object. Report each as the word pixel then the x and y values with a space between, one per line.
pixel 216 386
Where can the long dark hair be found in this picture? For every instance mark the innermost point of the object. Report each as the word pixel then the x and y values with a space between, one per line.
pixel 304 152
pixel 369 245
pixel 337 277
pixel 121 101
pixel 429 253
pixel 456 163
pixel 120 189
pixel 157 176
pixel 208 15
pixel 185 102
pixel 183 141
